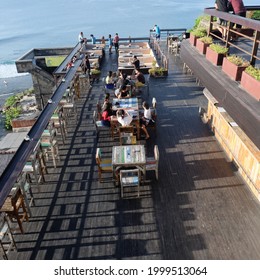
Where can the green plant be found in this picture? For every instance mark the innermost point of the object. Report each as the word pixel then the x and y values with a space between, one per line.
pixel 157 71
pixel 218 48
pixel 95 72
pixel 206 39
pixel 256 15
pixel 199 32
pixel 253 71
pixel 10 114
pixel 238 60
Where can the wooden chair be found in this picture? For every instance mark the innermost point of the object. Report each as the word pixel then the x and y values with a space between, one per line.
pixel 98 124
pixel 104 164
pixel 49 144
pixel 126 135
pixel 23 182
pixel 152 163
pixel 7 242
pixel 14 207
pixel 59 123
pixel 35 166
pixel 70 109
pixel 129 179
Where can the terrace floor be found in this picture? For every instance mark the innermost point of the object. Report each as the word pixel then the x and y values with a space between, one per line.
pixel 200 208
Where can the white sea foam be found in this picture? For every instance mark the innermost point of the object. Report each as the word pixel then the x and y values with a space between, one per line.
pixel 9 71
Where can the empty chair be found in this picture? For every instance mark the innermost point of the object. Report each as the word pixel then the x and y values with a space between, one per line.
pixel 35 166
pixel 104 164
pixel 25 186
pixel 49 144
pixel 70 109
pixel 7 242
pixel 59 124
pixel 152 163
pixel 130 179
pixel 126 135
pixel 14 207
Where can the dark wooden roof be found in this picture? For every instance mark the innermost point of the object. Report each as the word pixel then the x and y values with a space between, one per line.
pixel 199 209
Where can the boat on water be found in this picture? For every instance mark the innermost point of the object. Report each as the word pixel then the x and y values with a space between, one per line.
pixel 193 210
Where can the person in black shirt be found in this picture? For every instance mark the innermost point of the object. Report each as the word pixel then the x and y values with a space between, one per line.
pixel 136 62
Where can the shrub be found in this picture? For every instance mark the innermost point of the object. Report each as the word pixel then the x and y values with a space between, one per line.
pixel 206 39
pixel 157 71
pixel 238 60
pixel 218 48
pixel 256 15
pixel 253 71
pixel 10 114
pixel 199 32
pixel 95 72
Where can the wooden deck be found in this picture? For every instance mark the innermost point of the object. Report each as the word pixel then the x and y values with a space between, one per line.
pixel 199 209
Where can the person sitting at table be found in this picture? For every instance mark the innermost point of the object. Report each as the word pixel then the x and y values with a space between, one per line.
pixel 110 83
pixel 136 62
pixel 146 119
pixel 123 117
pixel 140 80
pixel 108 104
pixel 106 115
pixel 122 92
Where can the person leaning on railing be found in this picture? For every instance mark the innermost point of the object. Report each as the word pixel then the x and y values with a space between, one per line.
pixel 239 9
pixel 222 6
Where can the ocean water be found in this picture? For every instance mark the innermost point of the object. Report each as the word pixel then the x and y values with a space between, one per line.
pixel 31 24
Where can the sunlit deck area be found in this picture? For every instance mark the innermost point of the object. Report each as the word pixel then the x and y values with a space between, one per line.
pixel 200 208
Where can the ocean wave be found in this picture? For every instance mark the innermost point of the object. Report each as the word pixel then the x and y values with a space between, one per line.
pixel 8 70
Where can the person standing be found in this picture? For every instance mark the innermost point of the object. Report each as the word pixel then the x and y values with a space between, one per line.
pixel 222 6
pixel 93 39
pixel 81 38
pixel 103 40
pixel 239 10
pixel 86 65
pixel 157 31
pixel 110 44
pixel 116 42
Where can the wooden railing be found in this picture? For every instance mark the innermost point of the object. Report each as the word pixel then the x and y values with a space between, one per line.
pixel 250 50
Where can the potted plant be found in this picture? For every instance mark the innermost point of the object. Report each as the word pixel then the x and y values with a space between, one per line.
pixel 250 81
pixel 157 71
pixel 95 73
pixel 215 53
pixel 234 65
pixel 203 43
pixel 197 33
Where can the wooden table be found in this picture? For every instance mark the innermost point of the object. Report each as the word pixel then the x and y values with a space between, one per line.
pixel 128 156
pixel 125 103
pixel 129 104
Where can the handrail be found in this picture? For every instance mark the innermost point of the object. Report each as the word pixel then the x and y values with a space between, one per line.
pixel 234 19
pixel 15 166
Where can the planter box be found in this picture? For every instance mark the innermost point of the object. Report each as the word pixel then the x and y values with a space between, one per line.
pixel 214 57
pixel 232 70
pixel 193 40
pixel 251 85
pixel 201 46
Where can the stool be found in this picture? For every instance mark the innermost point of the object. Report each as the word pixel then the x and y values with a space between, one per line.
pixel 49 145
pixel 59 124
pixel 25 186
pixel 7 242
pixel 12 206
pixel 35 166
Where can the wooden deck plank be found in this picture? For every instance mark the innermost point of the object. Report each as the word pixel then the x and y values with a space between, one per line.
pixel 199 209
